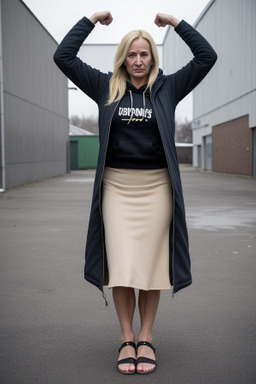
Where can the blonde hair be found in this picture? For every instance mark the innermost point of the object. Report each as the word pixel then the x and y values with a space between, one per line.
pixel 117 85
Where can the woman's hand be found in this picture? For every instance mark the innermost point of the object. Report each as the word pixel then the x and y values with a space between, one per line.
pixel 104 17
pixel 162 20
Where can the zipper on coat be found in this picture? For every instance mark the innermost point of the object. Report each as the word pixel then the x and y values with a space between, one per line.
pixel 173 200
pixel 100 207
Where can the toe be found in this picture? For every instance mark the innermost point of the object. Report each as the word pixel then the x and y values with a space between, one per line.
pixel 126 367
pixel 145 368
pixel 126 353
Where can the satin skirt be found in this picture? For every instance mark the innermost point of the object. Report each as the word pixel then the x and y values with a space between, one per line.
pixel 137 212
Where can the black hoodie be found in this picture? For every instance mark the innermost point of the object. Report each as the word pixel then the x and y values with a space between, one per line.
pixel 135 141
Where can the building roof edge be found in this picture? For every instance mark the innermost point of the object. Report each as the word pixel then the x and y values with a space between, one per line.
pixel 204 11
pixel 25 5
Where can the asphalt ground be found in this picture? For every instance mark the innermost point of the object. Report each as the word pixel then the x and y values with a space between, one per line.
pixel 55 327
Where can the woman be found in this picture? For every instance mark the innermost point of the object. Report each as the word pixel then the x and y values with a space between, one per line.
pixel 137 235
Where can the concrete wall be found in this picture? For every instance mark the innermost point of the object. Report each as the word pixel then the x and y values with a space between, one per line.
pixel 35 99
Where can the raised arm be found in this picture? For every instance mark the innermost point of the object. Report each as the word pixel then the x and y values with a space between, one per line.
pixel 188 77
pixel 91 81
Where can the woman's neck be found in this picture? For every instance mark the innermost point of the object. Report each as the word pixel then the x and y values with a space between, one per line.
pixel 138 83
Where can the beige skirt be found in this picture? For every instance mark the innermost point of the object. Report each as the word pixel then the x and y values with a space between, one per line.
pixel 137 212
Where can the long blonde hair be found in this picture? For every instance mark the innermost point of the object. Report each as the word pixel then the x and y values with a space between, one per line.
pixel 118 80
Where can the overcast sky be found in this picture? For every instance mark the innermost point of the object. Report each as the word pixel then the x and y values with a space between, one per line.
pixel 58 16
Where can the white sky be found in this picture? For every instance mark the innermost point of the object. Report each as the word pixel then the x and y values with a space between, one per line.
pixel 58 16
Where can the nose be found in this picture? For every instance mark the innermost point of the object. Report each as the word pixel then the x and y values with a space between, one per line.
pixel 138 60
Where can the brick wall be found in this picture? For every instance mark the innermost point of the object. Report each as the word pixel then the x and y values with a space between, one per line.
pixel 232 147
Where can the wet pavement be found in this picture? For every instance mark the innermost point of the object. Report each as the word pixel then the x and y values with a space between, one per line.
pixel 55 328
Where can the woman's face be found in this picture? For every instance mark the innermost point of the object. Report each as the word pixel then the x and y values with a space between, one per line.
pixel 138 61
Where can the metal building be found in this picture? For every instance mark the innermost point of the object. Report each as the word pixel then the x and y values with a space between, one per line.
pixel 224 104
pixel 84 148
pixel 224 123
pixel 34 100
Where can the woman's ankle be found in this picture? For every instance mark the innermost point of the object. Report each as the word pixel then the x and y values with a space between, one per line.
pixel 145 336
pixel 129 336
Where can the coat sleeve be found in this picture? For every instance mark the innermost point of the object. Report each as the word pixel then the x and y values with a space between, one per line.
pixel 90 80
pixel 188 77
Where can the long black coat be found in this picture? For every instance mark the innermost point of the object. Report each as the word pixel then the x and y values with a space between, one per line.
pixel 167 91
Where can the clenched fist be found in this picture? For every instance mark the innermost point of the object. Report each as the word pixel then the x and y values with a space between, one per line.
pixel 104 17
pixel 162 20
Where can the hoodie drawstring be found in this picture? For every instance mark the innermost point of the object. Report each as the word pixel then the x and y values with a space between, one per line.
pixel 132 109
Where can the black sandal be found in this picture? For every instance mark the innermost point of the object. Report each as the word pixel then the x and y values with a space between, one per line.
pixel 146 360
pixel 127 360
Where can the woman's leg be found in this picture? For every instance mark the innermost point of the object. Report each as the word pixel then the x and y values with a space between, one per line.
pixel 148 304
pixel 125 301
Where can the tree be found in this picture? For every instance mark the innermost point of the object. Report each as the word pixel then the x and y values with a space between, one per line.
pixel 88 123
pixel 183 131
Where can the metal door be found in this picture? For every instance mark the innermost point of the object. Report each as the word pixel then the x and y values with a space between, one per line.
pixel 208 152
pixel 73 155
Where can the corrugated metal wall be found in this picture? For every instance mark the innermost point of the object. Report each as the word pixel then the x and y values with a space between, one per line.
pixel 175 52
pixel 35 99
pixel 229 91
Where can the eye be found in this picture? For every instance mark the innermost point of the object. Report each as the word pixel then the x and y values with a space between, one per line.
pixel 131 54
pixel 144 54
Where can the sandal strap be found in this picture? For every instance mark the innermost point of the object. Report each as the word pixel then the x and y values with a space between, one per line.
pixel 143 359
pixel 127 360
pixel 126 344
pixel 147 344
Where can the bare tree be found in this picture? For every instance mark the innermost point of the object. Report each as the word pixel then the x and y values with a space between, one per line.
pixel 183 134
pixel 88 123
pixel 183 131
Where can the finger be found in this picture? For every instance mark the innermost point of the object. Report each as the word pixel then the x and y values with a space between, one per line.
pixel 109 20
pixel 158 21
